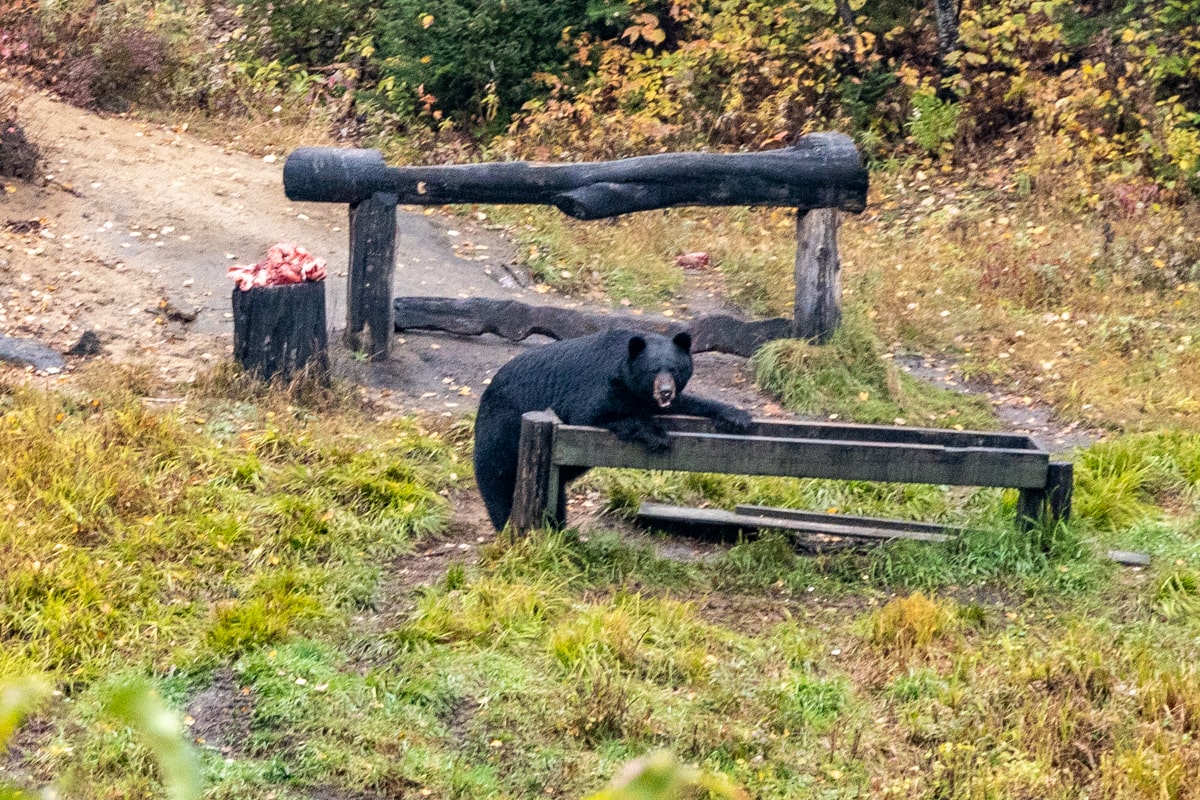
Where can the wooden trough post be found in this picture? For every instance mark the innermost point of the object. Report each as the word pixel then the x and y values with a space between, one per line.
pixel 1053 502
pixel 535 501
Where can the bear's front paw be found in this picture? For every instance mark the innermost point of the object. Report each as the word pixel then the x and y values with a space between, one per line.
pixel 733 421
pixel 656 441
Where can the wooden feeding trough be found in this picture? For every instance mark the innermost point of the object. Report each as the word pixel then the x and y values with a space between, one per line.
pixel 799 450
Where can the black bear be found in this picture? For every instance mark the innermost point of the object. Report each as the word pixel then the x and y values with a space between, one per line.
pixel 617 380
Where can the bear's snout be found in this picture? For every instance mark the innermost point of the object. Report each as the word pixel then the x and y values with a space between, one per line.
pixel 664 389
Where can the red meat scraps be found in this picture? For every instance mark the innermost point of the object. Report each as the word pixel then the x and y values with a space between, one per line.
pixel 698 260
pixel 285 263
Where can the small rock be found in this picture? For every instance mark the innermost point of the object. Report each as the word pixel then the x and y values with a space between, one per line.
pixel 30 353
pixel 88 345
pixel 174 311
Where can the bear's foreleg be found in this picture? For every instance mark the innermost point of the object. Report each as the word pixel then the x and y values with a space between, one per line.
pixel 642 430
pixel 725 417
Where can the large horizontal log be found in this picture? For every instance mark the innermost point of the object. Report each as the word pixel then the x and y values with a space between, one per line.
pixel 516 321
pixel 822 170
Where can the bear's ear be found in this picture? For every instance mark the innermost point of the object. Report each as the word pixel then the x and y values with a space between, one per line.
pixel 683 341
pixel 636 345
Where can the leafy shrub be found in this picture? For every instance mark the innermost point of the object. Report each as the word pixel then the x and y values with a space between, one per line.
pixel 308 33
pixel 475 60
pixel 106 56
pixel 934 123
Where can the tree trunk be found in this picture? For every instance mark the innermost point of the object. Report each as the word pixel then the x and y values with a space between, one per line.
pixel 947 13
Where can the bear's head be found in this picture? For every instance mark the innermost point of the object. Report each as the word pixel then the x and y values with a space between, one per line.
pixel 658 368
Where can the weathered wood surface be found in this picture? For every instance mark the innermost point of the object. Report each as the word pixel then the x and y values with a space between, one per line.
pixel 372 261
pixel 516 321
pixel 859 528
pixel 728 525
pixel 279 331
pixel 818 296
pixel 822 170
pixel 852 432
pixel 535 498
pixel 809 458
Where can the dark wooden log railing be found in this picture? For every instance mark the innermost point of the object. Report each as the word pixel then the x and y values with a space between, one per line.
pixel 820 175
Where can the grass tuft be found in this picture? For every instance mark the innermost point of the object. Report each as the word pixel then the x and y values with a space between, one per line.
pixel 849 379
pixel 910 625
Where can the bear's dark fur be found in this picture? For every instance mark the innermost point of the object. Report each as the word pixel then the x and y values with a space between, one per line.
pixel 617 380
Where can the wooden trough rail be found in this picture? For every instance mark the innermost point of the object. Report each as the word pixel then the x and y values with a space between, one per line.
pixel 799 450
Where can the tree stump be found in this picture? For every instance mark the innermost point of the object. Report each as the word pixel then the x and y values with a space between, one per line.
pixel 279 331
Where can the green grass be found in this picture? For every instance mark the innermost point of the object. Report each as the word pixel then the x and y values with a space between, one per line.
pixel 850 379
pixel 628 260
pixel 254 535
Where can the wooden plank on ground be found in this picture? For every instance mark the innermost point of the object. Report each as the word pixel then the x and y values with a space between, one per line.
pixel 653 513
pixel 1129 558
pixel 807 458
pixel 773 512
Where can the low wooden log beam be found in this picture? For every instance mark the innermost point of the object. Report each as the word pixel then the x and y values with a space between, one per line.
pixel 821 170
pixel 516 321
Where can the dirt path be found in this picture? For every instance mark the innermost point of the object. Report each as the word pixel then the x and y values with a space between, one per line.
pixel 131 231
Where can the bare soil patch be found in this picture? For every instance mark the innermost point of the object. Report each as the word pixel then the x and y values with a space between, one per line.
pixel 219 715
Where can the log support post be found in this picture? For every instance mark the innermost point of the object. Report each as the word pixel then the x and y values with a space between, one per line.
pixel 372 261
pixel 535 501
pixel 818 300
